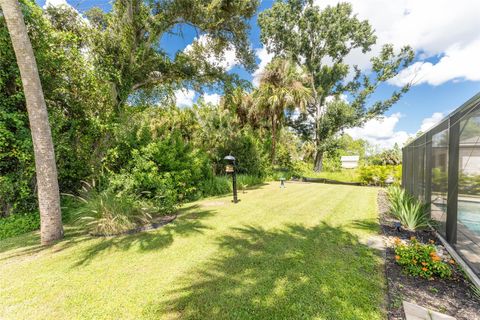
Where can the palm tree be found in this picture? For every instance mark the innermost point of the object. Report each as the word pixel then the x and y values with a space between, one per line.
pixel 281 88
pixel 51 228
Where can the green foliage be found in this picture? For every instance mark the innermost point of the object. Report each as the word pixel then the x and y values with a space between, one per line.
pixel 412 213
pixel 311 36
pixel 112 115
pixel 246 150
pixel 391 157
pixel 167 171
pixel 475 291
pixel 245 181
pixel 219 132
pixel 220 185
pixel 422 260
pixel 281 89
pixel 94 100
pixel 127 49
pixel 74 100
pixel 469 184
pixel 17 224
pixel 377 175
pixel 332 163
pixel 440 179
pixel 105 213
pixel 396 196
pixel 217 185
pixel 344 175
pixel 344 145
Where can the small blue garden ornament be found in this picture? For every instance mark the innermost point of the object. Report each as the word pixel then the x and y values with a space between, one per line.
pixel 282 182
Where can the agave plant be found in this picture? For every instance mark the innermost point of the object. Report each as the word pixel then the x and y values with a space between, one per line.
pixel 412 213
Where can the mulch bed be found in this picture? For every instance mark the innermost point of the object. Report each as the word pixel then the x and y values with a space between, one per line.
pixel 450 296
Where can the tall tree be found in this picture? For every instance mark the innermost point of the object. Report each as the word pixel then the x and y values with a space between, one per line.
pixel 281 88
pixel 320 40
pixel 51 228
pixel 127 49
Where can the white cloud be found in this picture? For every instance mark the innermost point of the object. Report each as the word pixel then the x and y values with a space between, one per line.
pixel 434 28
pixel 55 3
pixel 184 98
pixel 457 64
pixel 265 58
pixel 227 60
pixel 213 98
pixel 380 132
pixel 429 122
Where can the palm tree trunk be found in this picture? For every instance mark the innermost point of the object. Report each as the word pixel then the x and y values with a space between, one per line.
pixel 51 228
pixel 274 140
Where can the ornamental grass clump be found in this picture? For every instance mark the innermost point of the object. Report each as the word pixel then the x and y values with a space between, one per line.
pixel 412 213
pixel 418 259
pixel 104 213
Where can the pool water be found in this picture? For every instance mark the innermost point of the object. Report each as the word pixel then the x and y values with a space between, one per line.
pixel 469 215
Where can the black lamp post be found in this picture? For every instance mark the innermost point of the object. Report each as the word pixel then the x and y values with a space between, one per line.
pixel 230 168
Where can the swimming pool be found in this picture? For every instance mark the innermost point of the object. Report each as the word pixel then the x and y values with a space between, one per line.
pixel 469 215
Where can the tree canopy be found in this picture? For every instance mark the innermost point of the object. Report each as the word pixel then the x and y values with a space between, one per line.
pixel 321 40
pixel 109 81
pixel 125 43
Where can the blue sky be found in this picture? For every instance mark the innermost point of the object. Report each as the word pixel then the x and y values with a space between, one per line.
pixel 443 33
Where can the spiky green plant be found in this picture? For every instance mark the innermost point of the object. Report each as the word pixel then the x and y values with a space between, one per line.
pixel 476 291
pixel 106 213
pixel 396 196
pixel 412 213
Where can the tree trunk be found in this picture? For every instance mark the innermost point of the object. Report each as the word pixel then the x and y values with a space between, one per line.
pixel 274 140
pixel 318 162
pixel 318 165
pixel 51 228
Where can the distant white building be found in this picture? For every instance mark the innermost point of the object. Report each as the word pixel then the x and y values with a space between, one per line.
pixel 349 162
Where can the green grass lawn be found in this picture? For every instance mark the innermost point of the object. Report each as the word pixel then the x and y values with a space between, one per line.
pixel 291 253
pixel 345 175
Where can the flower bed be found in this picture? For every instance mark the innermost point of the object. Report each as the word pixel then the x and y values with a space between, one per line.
pixel 434 288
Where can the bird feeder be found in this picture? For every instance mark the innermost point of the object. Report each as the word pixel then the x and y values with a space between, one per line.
pixel 230 169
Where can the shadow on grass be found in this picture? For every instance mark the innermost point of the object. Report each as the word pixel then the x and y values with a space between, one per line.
pixel 293 273
pixel 188 222
pixel 366 224
pixel 29 244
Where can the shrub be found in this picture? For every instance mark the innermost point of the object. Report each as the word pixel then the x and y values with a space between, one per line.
pixel 246 149
pixel 301 168
pixel 377 175
pixel 217 185
pixel 105 213
pixel 387 157
pixel 412 213
pixel 245 180
pixel 422 260
pixel 220 185
pixel 165 172
pixel 18 224
pixel 332 163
